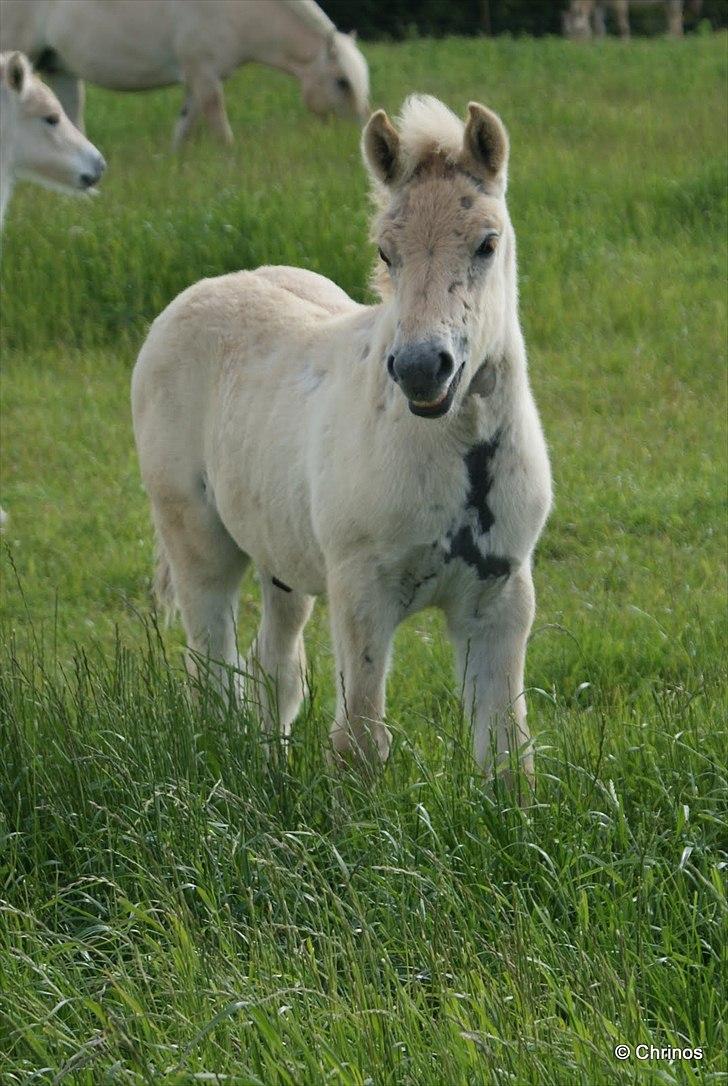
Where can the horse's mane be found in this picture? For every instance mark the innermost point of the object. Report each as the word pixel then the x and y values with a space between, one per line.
pixel 312 15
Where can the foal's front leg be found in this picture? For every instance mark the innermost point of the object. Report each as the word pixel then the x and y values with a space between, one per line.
pixel 491 652
pixel 363 620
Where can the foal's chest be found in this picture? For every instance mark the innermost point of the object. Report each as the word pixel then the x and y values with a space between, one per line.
pixel 471 549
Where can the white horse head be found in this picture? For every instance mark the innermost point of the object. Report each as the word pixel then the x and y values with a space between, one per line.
pixel 337 80
pixel 447 244
pixel 38 142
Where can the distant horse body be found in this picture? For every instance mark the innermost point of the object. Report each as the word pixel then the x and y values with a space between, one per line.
pixel 390 456
pixel 140 44
pixel 586 17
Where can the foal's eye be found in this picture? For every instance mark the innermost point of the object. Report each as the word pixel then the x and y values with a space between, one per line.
pixel 385 258
pixel 487 246
pixel 52 119
pixel 343 84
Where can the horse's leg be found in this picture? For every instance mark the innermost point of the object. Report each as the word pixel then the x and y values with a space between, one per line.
pixel 674 18
pixel 277 658
pixel 490 650
pixel 204 98
pixel 598 19
pixel 71 93
pixel 363 621
pixel 206 567
pixel 621 11
pixel 189 114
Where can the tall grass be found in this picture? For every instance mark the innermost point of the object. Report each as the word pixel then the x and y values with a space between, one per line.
pixel 174 906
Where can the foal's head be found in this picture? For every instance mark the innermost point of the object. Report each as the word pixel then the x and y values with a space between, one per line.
pixel 43 145
pixel 446 242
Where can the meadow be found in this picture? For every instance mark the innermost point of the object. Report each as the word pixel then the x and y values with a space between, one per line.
pixel 175 909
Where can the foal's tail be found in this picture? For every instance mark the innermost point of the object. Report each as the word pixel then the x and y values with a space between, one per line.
pixel 163 586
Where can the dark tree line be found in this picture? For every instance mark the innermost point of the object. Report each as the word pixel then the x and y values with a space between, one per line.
pixel 435 18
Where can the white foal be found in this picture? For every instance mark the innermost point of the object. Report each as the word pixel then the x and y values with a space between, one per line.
pixel 389 456
pixel 37 140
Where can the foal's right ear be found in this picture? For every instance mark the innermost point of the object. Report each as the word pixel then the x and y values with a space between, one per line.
pixel 381 149
pixel 16 72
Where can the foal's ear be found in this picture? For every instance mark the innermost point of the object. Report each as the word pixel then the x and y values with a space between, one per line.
pixel 485 145
pixel 16 72
pixel 380 146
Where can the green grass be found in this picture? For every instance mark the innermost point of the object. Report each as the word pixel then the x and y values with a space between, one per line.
pixel 172 906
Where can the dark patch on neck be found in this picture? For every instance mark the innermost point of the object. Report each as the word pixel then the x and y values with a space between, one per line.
pixel 484 382
pixel 479 463
pixel 280 584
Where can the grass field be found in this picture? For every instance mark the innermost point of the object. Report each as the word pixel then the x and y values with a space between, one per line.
pixel 175 910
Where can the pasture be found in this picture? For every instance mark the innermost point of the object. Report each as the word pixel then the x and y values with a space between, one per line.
pixel 176 910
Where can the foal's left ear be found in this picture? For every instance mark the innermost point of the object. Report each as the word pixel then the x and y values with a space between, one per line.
pixel 485 145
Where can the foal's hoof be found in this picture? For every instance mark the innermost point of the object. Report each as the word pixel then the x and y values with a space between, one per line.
pixel 364 753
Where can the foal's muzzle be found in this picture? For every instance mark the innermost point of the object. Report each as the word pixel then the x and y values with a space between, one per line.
pixel 426 374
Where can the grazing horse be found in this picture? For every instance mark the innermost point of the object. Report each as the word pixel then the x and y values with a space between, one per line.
pixel 390 456
pixel 584 16
pixel 140 44
pixel 37 140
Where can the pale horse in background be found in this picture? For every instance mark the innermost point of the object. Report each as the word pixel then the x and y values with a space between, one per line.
pixel 586 17
pixel 38 142
pixel 140 44
pixel 389 456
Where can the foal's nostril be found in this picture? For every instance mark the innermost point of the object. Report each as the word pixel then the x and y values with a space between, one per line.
pixel 447 365
pixel 390 367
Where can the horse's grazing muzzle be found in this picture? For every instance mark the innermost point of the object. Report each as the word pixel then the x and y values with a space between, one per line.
pixel 426 374
pixel 94 175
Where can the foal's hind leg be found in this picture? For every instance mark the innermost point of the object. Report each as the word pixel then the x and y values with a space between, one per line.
pixel 277 659
pixel 206 567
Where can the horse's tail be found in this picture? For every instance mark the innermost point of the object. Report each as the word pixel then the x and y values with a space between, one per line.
pixel 163 587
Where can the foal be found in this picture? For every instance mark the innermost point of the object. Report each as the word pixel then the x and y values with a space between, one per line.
pixel 37 140
pixel 389 456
